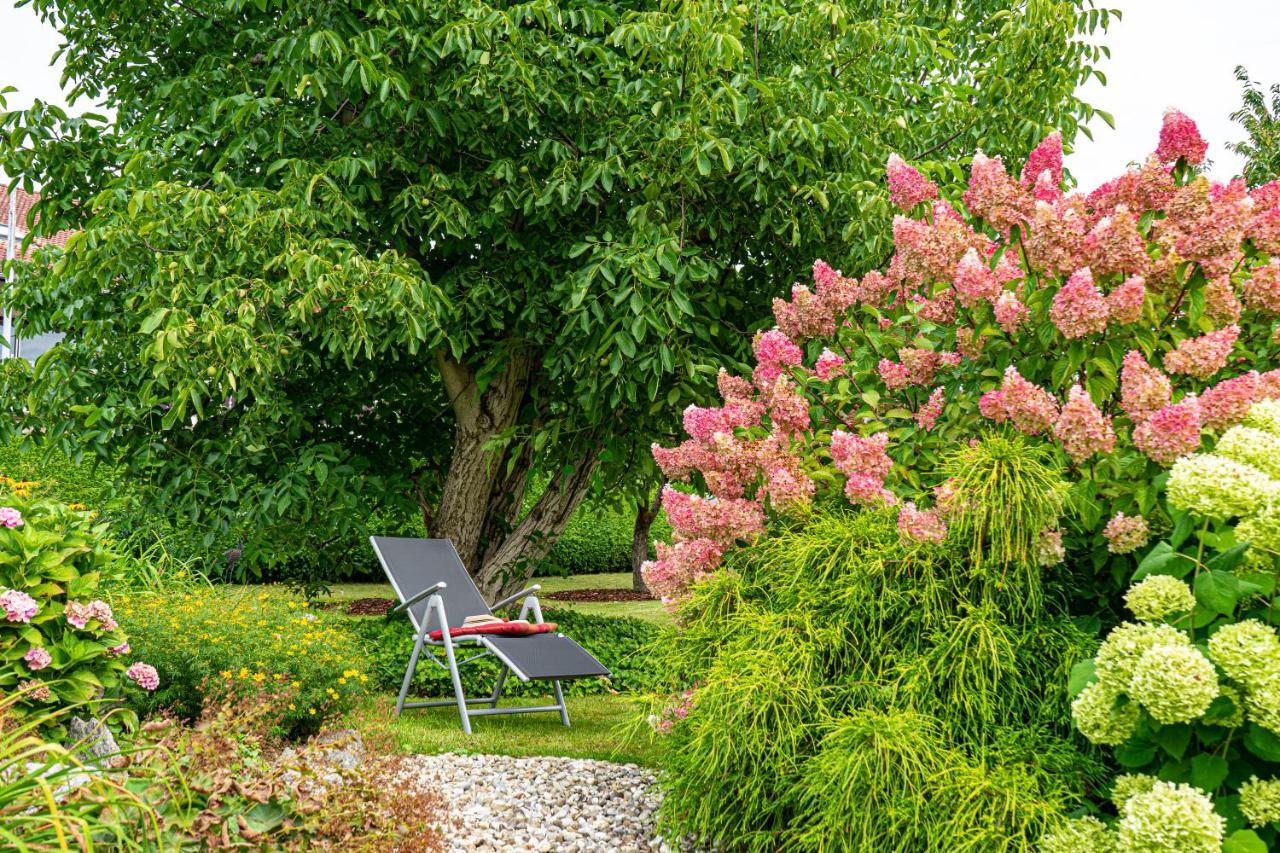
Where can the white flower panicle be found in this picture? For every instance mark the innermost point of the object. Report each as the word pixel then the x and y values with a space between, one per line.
pixel 1103 719
pixel 1079 835
pixel 1211 485
pixel 1156 597
pixel 1260 801
pixel 1120 652
pixel 1170 818
pixel 1175 683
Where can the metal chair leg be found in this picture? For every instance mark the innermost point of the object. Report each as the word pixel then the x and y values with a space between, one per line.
pixel 564 711
pixel 453 665
pixel 413 665
pixel 497 688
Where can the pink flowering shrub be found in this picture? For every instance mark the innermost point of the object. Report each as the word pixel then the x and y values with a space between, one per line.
pixel 59 641
pixel 1114 326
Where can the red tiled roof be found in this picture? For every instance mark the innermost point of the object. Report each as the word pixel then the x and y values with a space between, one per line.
pixel 26 201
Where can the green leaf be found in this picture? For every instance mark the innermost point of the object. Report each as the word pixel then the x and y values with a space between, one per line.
pixel 1228 559
pixel 1135 754
pixel 1082 675
pixel 1244 841
pixel 1262 743
pixel 1218 591
pixel 1174 739
pixel 1208 771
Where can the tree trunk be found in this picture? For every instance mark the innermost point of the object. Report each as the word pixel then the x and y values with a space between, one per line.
pixel 474 469
pixel 646 511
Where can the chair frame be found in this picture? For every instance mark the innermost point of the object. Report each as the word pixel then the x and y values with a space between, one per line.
pixel 451 664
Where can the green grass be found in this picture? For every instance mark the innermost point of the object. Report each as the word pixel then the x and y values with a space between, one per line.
pixel 650 611
pixel 595 730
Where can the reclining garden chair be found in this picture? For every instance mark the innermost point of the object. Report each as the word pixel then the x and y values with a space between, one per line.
pixel 435 589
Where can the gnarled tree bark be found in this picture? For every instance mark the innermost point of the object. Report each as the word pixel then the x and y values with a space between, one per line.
pixel 647 510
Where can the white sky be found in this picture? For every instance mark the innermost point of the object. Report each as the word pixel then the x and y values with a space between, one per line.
pixel 1179 53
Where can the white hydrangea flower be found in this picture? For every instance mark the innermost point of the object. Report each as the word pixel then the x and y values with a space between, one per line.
pixel 1080 835
pixel 1175 683
pixel 1252 446
pixel 1262 531
pixel 1157 596
pixel 1246 650
pixel 1119 653
pixel 1265 415
pixel 1170 818
pixel 1260 801
pixel 1217 487
pixel 1262 702
pixel 1100 719
pixel 1128 784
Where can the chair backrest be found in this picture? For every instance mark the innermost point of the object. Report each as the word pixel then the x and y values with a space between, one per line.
pixel 413 565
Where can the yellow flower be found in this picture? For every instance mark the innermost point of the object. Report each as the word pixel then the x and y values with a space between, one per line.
pixel 292 707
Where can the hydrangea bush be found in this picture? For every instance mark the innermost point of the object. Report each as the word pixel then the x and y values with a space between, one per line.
pixel 60 642
pixel 1188 693
pixel 1116 327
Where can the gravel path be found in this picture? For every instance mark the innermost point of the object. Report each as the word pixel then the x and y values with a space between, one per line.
pixel 562 804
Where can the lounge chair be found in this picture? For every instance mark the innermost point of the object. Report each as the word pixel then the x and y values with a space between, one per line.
pixel 435 589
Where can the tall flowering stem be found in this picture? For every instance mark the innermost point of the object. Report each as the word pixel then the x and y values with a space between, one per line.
pixel 1124 328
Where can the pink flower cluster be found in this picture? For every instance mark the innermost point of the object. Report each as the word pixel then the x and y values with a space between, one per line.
pixel 1082 428
pixel 907 187
pixel 827 365
pixel 10 517
pixel 1126 533
pixel 1170 432
pixel 37 657
pixel 865 464
pixel 1228 402
pixel 144 675
pixel 1030 408
pixel 1079 308
pixel 35 689
pixel 80 615
pixel 1143 388
pixel 916 525
pixel 1261 290
pixel 18 606
pixel 1124 304
pixel 1180 138
pixel 929 413
pixel 1203 356
pixel 995 196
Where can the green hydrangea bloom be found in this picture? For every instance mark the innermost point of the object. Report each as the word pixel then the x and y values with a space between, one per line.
pixel 1260 801
pixel 1214 486
pixel 1170 819
pixel 1119 653
pixel 1252 446
pixel 1265 415
pixel 1157 596
pixel 1262 531
pixel 1247 650
pixel 1175 683
pixel 1081 835
pixel 1100 719
pixel 1262 702
pixel 1128 784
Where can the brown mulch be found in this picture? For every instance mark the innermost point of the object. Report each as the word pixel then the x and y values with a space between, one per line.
pixel 370 606
pixel 599 595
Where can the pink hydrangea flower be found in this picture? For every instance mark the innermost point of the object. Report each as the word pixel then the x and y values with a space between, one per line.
pixel 1009 311
pixel 1264 227
pixel 1030 408
pixel 788 409
pixel 916 525
pixel 10 517
pixel 991 406
pixel 827 365
pixel 1261 290
pixel 679 564
pixel 835 291
pixel 907 187
pixel 1116 246
pixel 1125 302
pixel 1082 428
pixel 1220 302
pixel 1179 137
pixel 805 316
pixel 1045 157
pixel 724 520
pixel 775 348
pixel 1049 549
pixel 1228 402
pixel 864 463
pixel 1269 384
pixel 995 196
pixel 974 281
pixel 1046 189
pixel 144 674
pixel 101 611
pixel 1171 432
pixel 1078 308
pixel 928 414
pixel 894 375
pixel 1203 356
pixel 120 650
pixel 18 606
pixel 921 364
pixel 37 657
pixel 36 690
pixel 1143 388
pixel 1125 533
pixel 77 614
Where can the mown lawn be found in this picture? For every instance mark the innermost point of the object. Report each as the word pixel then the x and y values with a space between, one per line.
pixel 598 726
pixel 650 611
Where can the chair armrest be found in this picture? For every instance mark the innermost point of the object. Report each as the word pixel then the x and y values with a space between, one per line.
pixel 510 598
pixel 426 593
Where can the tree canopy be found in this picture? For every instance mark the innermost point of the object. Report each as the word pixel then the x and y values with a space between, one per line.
pixel 333 255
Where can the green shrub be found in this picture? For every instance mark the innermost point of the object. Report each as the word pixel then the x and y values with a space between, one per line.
pixel 621 644
pixel 202 639
pixel 841 690
pixel 59 643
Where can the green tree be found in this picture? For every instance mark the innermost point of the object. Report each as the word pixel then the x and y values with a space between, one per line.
pixel 1259 115
pixel 333 254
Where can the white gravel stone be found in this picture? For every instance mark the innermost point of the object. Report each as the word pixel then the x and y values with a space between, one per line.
pixel 542 804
